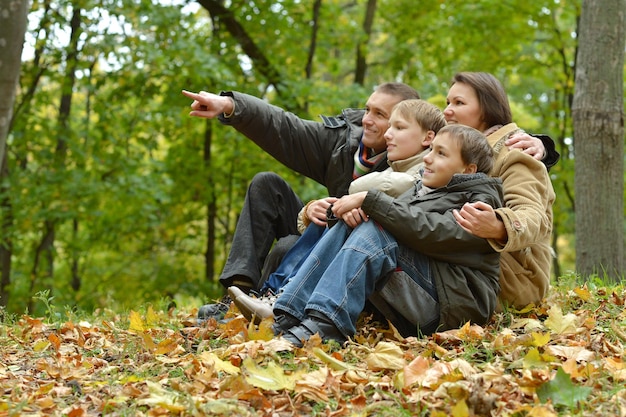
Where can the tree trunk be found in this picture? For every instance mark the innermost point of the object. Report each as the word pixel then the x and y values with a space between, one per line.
pixel 13 21
pixel 13 15
pixel 209 255
pixel 598 116
pixel 46 246
pixel 6 245
pixel 260 61
pixel 361 47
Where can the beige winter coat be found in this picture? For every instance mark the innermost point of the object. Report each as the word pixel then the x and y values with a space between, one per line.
pixel 526 258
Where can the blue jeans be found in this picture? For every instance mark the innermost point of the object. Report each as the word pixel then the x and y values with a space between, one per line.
pixel 294 258
pixel 345 268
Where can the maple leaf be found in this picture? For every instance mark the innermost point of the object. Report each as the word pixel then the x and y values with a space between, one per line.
pixel 534 359
pixel 136 322
pixel 560 324
pixel 562 391
pixel 152 318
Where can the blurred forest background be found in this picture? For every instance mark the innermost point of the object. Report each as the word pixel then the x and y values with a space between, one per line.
pixel 111 195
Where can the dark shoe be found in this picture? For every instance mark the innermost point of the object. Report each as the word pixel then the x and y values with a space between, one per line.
pixel 284 322
pixel 252 308
pixel 217 310
pixel 298 335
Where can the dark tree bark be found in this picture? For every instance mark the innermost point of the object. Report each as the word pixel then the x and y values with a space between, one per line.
pixel 209 255
pixel 361 48
pixel 260 61
pixel 45 249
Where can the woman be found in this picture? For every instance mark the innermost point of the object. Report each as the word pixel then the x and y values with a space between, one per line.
pixel 521 230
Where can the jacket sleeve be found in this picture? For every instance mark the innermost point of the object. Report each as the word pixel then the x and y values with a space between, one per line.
pixel 302 145
pixel 390 182
pixel 552 156
pixel 528 197
pixel 434 234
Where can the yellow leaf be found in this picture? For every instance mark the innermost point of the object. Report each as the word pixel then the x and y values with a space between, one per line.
pixel 211 359
pixel 41 345
pixel 386 355
pixel 147 341
pixel 333 363
pixel 166 346
pixel 152 318
pixel 264 331
pixel 560 324
pixel 540 339
pixel 583 292
pixel 136 323
pixel 535 359
pixel 460 409
pixel 524 310
pixel 271 378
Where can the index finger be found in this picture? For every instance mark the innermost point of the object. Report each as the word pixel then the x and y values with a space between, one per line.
pixel 191 94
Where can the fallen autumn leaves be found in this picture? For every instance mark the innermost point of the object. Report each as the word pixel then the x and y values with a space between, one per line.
pixel 565 356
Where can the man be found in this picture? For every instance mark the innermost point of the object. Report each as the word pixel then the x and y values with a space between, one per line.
pixel 332 153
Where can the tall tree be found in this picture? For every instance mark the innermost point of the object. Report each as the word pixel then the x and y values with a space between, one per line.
pixel 598 118
pixel 13 20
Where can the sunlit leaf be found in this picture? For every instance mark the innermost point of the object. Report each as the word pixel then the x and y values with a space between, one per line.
pixel 41 345
pixel 460 409
pixel 272 377
pixel 577 353
pixel 534 359
pixel 152 318
pixel 386 356
pixel 211 359
pixel 54 340
pixel 527 324
pixel 583 292
pixel 525 310
pixel 136 322
pixel 560 324
pixel 540 339
pixel 541 411
pixel 166 346
pixel 264 330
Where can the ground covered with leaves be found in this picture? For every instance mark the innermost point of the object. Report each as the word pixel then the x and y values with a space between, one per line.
pixel 563 357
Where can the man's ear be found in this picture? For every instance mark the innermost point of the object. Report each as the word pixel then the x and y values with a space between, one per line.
pixel 470 169
pixel 428 139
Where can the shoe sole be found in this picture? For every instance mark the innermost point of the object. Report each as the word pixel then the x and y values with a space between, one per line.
pixel 248 312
